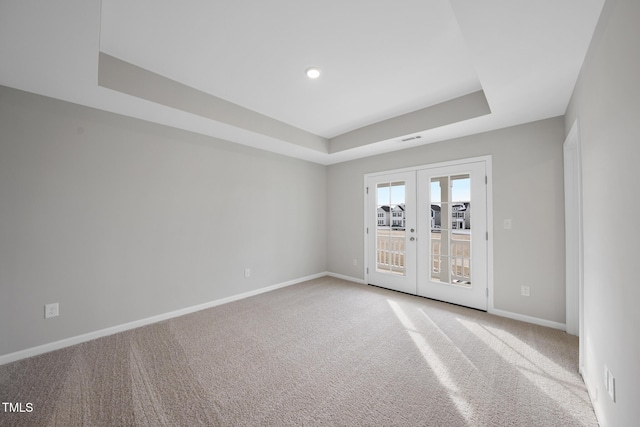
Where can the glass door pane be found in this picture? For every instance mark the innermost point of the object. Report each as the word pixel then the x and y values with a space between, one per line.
pixel 450 247
pixel 390 230
pixel 460 242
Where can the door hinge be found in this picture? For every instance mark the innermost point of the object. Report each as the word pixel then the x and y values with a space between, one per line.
pixel 367 270
pixel 367 230
pixel 367 190
pixel 487 291
pixel 486 179
pixel 487 235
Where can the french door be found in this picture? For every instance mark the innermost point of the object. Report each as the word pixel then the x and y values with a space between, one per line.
pixel 392 231
pixel 427 232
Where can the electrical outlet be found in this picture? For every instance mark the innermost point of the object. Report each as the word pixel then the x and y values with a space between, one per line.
pixel 525 291
pixel 51 310
pixel 612 388
pixel 610 383
pixel 247 272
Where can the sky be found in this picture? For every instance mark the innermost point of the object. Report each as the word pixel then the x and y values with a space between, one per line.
pixel 461 192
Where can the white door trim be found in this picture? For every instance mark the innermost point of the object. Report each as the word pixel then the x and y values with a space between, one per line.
pixel 489 194
pixel 573 235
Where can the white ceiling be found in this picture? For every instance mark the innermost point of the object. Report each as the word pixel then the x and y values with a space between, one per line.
pixel 379 59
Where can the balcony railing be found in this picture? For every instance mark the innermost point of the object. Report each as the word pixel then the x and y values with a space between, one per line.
pixel 390 251
pixel 452 268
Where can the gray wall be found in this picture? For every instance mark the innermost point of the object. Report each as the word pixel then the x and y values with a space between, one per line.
pixel 606 102
pixel 527 188
pixel 118 219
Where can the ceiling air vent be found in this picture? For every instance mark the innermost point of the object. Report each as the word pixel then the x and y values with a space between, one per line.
pixel 411 138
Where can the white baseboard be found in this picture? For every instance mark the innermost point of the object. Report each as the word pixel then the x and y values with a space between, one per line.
pixel 45 348
pixel 529 319
pixel 349 278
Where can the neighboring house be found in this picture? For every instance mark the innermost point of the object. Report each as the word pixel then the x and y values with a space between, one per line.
pixel 457 216
pixel 435 216
pixel 460 216
pixel 383 216
pixel 398 216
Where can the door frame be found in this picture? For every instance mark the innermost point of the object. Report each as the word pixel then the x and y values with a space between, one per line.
pixel 489 193
pixel 573 237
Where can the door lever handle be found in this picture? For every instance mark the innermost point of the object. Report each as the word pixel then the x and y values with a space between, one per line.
pixel 412 239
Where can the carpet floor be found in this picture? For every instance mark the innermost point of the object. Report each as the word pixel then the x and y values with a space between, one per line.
pixel 323 352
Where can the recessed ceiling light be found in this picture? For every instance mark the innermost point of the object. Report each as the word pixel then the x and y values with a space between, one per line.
pixel 313 72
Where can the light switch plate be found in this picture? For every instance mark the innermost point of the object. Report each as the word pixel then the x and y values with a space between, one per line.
pixel 51 310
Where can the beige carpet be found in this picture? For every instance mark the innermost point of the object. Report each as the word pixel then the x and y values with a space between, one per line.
pixel 324 352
